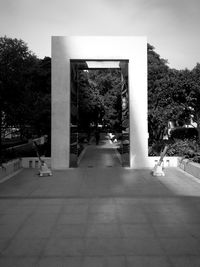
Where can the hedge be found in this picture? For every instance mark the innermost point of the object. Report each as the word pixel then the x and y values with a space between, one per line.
pixel 184 133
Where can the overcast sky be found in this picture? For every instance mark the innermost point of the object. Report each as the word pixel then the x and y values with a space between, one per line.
pixel 171 26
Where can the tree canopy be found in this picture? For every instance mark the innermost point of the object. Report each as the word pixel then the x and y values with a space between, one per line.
pixel 25 86
pixel 100 97
pixel 173 95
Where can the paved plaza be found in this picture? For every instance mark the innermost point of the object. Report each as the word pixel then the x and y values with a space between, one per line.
pixel 100 217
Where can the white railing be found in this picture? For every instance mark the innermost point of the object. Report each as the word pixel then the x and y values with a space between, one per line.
pixel 9 169
pixel 33 162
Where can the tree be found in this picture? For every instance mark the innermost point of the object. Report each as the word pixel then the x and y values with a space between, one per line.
pixel 185 96
pixel 108 83
pixel 15 57
pixel 180 97
pixel 100 97
pixel 159 102
pixel 194 96
pixel 38 96
pixel 90 102
pixel 25 89
pixel 169 96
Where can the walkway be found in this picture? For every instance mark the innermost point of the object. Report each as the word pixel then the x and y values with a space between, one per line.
pixel 102 155
pixel 100 217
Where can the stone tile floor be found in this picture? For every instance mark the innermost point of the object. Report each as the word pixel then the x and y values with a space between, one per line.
pixel 106 217
pixel 104 154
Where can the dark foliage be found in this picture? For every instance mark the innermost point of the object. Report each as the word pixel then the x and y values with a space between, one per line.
pixel 184 133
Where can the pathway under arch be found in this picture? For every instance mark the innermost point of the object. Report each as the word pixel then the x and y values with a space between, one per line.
pixel 104 154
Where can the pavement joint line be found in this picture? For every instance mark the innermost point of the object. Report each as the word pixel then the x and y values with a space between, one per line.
pixel 42 253
pixel 17 231
pixel 118 155
pixel 150 223
pixel 197 180
pixel 98 197
pixel 81 155
pixel 10 175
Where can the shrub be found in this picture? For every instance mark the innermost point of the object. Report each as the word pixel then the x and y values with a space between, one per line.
pixel 156 148
pixel 184 133
pixel 196 159
pixel 181 148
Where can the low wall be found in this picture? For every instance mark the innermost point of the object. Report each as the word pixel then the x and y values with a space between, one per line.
pixel 167 161
pixel 9 169
pixel 33 162
pixel 190 167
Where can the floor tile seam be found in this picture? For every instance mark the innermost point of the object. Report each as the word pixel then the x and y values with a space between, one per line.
pixel 39 258
pixel 158 179
pixel 170 260
pixel 72 237
pixel 88 219
pixel 18 210
pixel 126 261
pixel 175 219
pixel 102 212
pixel 17 231
pixel 196 238
pixel 151 256
pixel 155 234
pixel 106 257
pixel 62 258
pixel 149 222
pixel 7 243
pixel 179 254
pixel 132 208
pixel 105 236
pixel 125 254
pixel 167 258
pixel 17 257
pixel 153 225
pixel 96 201
pixel 42 252
pixel 58 256
pixel 30 193
pixel 43 205
pixel 124 196
pixel 102 257
pixel 119 222
pixel 85 226
pixel 21 257
pixel 182 220
pixel 177 237
pixel 28 255
pixel 73 211
pixel 85 251
pixel 82 182
pixel 51 233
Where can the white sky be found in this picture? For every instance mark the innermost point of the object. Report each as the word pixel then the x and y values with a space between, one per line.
pixel 171 26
